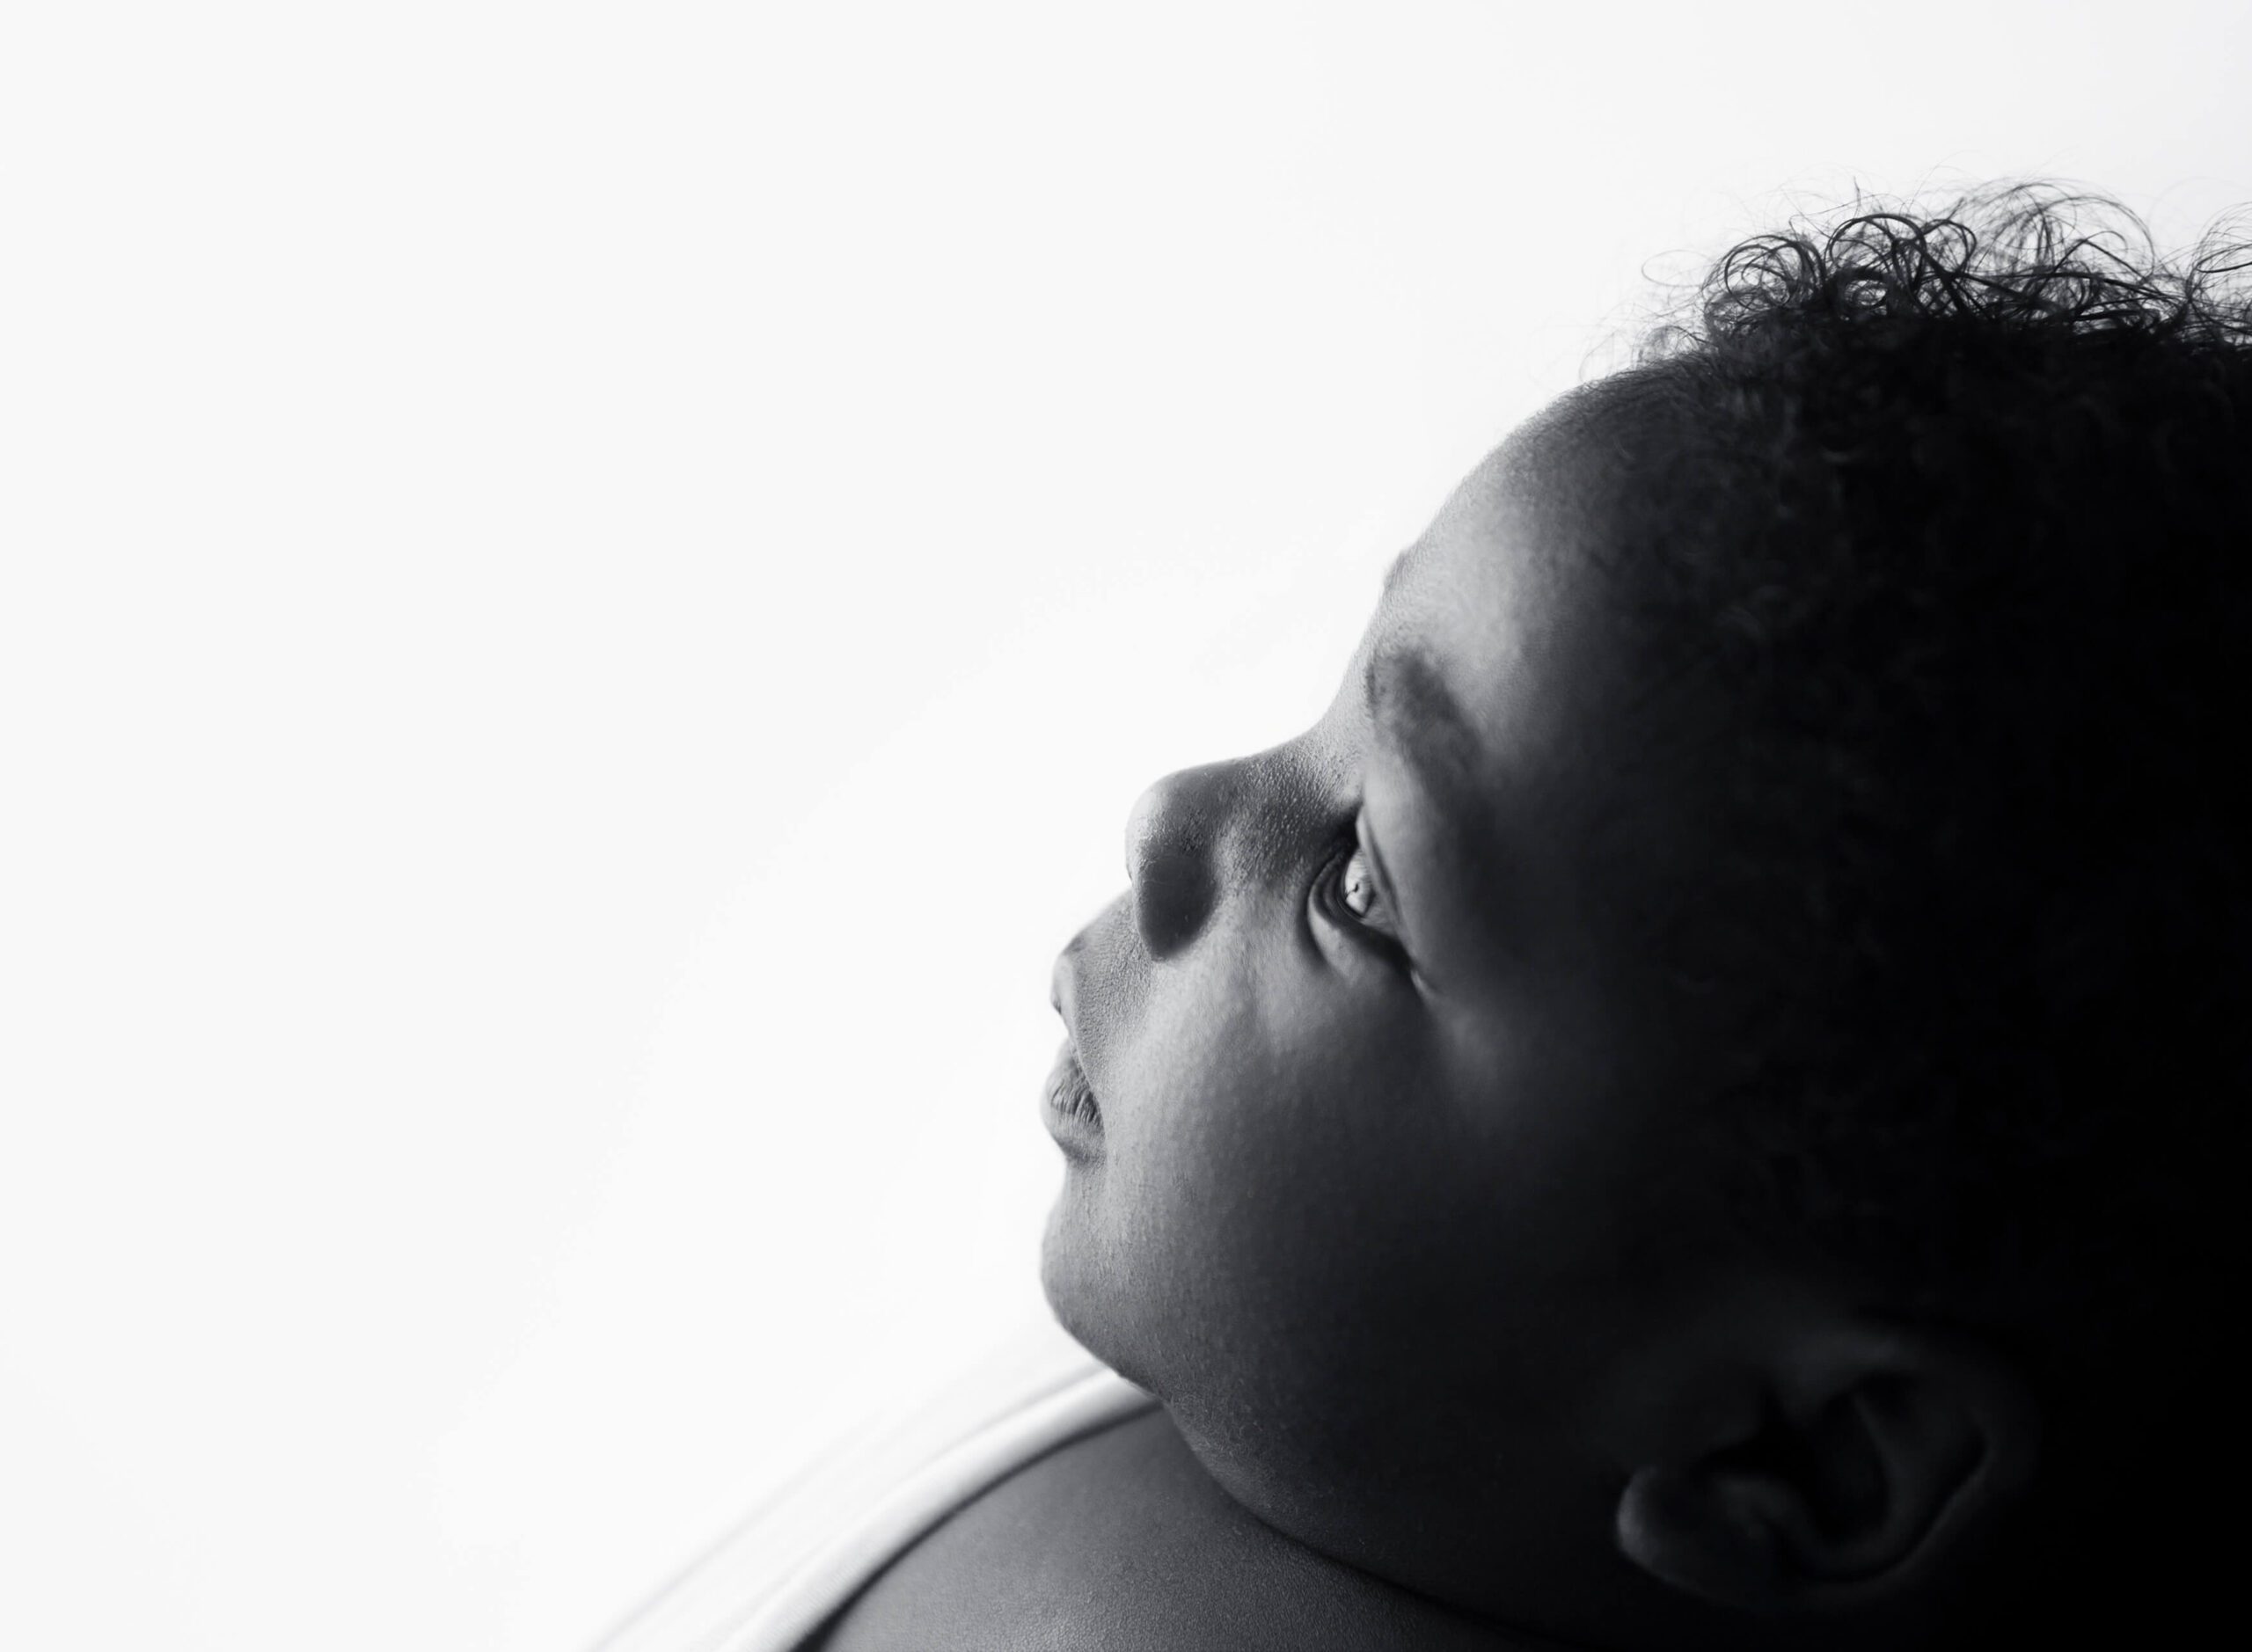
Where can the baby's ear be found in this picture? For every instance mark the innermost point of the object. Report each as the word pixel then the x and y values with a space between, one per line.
pixel 1856 1477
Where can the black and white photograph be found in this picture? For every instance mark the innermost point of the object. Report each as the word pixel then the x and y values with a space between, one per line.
pixel 1223 827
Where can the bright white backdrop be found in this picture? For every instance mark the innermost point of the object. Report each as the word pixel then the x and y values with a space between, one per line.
pixel 586 589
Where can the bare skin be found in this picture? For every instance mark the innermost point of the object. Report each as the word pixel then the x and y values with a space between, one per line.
pixel 1395 1190
pixel 1119 1542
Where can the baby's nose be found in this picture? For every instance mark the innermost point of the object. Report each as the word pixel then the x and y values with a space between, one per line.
pixel 1170 835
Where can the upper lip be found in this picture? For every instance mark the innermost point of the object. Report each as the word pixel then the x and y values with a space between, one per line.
pixel 1062 992
pixel 1090 945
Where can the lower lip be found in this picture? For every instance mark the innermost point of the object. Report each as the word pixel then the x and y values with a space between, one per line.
pixel 1071 1114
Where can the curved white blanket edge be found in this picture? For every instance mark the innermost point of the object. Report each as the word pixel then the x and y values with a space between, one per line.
pixel 832 1574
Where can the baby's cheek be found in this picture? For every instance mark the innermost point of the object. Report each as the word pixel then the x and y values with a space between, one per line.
pixel 1270 1179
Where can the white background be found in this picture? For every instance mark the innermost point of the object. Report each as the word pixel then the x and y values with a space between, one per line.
pixel 587 587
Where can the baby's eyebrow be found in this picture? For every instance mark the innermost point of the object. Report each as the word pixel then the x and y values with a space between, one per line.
pixel 1409 702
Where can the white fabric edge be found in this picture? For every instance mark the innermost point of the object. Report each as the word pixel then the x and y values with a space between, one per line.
pixel 834 1572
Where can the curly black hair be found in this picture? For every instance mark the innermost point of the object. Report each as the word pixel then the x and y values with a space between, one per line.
pixel 1957 517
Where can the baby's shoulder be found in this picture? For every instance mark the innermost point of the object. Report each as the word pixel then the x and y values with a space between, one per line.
pixel 1120 1539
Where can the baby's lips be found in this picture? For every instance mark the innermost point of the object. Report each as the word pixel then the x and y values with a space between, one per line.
pixel 1072 1114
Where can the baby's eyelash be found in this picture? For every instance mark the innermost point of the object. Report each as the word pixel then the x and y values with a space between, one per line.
pixel 1358 889
pixel 1330 890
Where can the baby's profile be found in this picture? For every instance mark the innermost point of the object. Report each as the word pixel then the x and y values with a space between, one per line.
pixel 1694 1106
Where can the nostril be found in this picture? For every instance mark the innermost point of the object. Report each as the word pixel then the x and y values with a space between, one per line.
pixel 1170 834
pixel 1173 898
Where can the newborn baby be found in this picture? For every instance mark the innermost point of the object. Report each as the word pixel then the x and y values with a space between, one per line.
pixel 1691 1107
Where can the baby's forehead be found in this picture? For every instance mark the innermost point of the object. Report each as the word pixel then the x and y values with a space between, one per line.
pixel 1556 498
pixel 1510 567
pixel 1511 615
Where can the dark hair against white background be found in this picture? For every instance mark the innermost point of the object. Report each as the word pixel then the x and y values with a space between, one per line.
pixel 585 592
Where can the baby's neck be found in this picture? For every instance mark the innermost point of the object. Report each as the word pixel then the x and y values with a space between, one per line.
pixel 1121 1540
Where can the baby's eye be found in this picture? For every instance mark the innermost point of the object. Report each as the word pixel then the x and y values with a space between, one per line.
pixel 1354 897
pixel 1357 884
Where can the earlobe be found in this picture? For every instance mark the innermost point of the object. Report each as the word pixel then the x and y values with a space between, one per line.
pixel 1699 1539
pixel 1874 1463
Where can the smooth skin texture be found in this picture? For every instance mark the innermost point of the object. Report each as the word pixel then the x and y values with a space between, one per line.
pixel 1121 1542
pixel 1402 1198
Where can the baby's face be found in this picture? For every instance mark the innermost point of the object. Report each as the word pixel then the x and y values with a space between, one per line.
pixel 1392 1178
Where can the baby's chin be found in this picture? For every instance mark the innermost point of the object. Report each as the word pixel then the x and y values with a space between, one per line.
pixel 1066 1263
pixel 1085 1295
